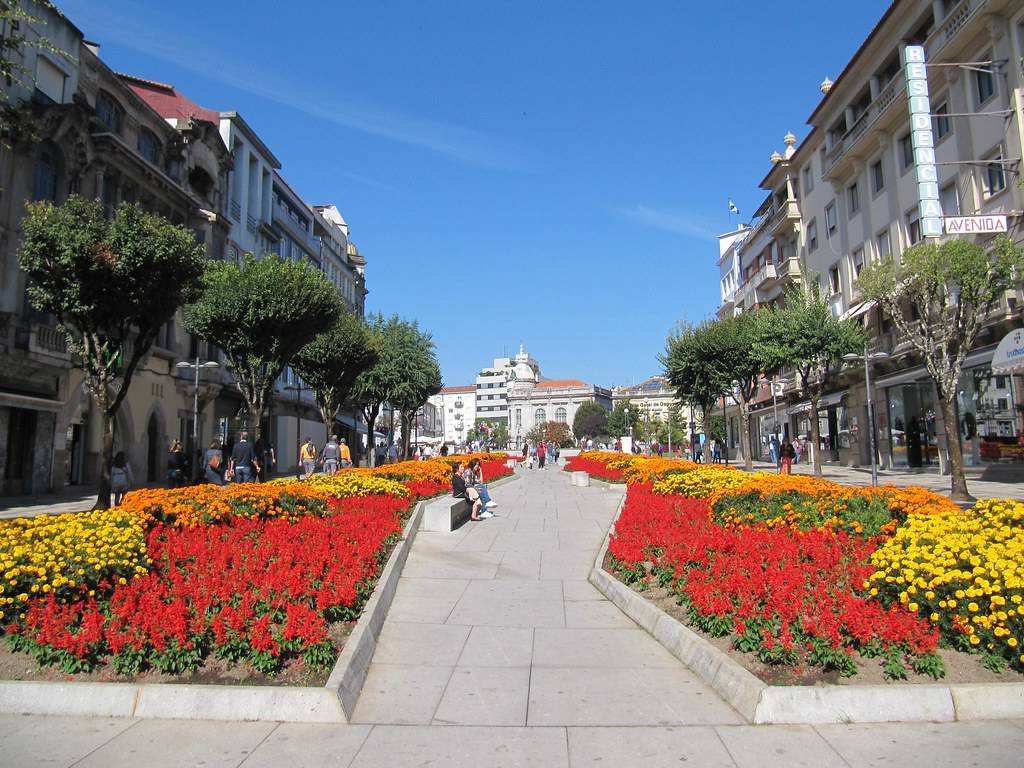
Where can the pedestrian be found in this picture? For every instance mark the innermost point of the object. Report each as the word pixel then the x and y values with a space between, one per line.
pixel 533 455
pixel 787 452
pixel 773 449
pixel 121 478
pixel 798 449
pixel 444 449
pixel 242 460
pixel 477 477
pixel 330 454
pixel 213 463
pixel 461 490
pixel 542 454
pixel 393 452
pixel 695 448
pixel 263 454
pixel 346 454
pixel 307 458
pixel 176 466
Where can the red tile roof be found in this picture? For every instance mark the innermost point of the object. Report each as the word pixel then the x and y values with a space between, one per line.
pixel 556 383
pixel 167 102
pixel 448 390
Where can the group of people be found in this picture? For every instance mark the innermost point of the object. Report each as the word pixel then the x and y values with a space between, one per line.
pixel 246 463
pixel 540 454
pixel 334 455
pixel 468 483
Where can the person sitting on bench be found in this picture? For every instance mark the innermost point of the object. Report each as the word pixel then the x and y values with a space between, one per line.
pixel 471 495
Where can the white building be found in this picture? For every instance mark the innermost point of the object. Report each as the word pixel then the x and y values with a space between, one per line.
pixel 847 195
pixel 729 268
pixel 533 400
pixel 250 192
pixel 457 412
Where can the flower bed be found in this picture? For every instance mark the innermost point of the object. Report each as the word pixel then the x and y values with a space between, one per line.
pixel 802 571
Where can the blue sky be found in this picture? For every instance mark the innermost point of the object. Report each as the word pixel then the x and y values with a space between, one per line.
pixel 551 173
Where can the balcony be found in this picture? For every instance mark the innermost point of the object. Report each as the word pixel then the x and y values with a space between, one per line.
pixel 785 218
pixel 42 341
pixel 955 20
pixel 236 210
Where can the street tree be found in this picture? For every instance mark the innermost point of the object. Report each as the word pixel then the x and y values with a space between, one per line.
pixel 421 377
pixel 591 420
pixel 939 296
pixel 625 416
pixel 331 362
pixel 804 334
pixel 112 284
pixel 714 358
pixel 260 313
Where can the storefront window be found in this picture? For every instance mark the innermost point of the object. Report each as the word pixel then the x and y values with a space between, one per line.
pixel 912 421
pixel 986 411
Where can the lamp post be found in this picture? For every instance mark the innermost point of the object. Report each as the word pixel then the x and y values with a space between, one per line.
pixel 197 365
pixel 775 407
pixel 629 427
pixel 298 389
pixel 868 358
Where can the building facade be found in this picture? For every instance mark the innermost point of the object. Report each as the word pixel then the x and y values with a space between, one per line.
pixel 847 195
pixel 456 407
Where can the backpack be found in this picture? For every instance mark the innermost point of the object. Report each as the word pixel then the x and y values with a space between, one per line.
pixel 214 462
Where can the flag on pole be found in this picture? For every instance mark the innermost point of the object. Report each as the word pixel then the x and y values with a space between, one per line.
pixel 732 207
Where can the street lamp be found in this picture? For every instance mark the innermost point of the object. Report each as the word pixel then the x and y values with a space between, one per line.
pixel 625 411
pixel 868 358
pixel 298 389
pixel 198 365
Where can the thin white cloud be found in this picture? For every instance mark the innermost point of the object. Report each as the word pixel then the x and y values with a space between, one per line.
pixel 312 96
pixel 365 180
pixel 688 226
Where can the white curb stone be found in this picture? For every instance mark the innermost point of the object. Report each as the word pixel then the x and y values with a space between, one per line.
pixel 761 703
pixel 581 479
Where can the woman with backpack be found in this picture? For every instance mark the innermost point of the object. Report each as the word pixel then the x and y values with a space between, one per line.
pixel 120 477
pixel 176 465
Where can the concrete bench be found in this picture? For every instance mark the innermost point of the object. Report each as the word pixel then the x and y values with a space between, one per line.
pixel 581 479
pixel 445 514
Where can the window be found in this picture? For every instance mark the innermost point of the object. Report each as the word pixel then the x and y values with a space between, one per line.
pixel 943 126
pixel 44 184
pixel 834 284
pixel 913 226
pixel 809 178
pixel 109 112
pixel 994 178
pixel 519 417
pixel 906 152
pixel 831 223
pixel 560 415
pixel 148 145
pixel 984 82
pixel 50 80
pixel 853 199
pixel 812 236
pixel 877 178
pixel 882 245
pixel 540 416
pixel 857 261
pixel 1000 382
pixel 949 199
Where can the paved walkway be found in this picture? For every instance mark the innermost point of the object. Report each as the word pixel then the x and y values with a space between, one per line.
pixel 497 652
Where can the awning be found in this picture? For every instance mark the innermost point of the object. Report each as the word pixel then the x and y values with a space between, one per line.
pixel 1009 354
pixel 858 309
pixel 918 373
pixel 28 402
pixel 824 402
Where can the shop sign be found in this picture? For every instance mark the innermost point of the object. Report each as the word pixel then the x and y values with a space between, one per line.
pixel 1009 354
pixel 922 140
pixel 975 225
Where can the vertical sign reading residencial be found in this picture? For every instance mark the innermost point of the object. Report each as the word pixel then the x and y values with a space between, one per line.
pixel 922 140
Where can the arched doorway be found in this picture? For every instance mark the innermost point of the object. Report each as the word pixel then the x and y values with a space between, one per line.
pixel 152 448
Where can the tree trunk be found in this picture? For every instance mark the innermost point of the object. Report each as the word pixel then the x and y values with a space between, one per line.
pixel 815 436
pixel 958 480
pixel 371 441
pixel 748 442
pixel 406 434
pixel 107 456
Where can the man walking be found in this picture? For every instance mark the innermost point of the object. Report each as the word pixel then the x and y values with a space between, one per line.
pixel 346 455
pixel 331 452
pixel 242 459
pixel 307 458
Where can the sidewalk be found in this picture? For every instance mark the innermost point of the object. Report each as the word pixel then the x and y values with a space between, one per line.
pixel 497 652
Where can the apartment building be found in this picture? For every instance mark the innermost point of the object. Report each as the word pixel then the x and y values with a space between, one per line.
pixel 456 408
pixel 847 195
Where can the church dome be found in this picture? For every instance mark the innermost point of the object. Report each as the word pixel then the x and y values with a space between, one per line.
pixel 523 372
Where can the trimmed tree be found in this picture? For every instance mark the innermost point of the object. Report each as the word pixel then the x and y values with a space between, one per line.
pixel 807 336
pixel 421 377
pixel 619 424
pixel 112 284
pixel 332 361
pixel 591 420
pixel 952 288
pixel 261 313
pixel 686 371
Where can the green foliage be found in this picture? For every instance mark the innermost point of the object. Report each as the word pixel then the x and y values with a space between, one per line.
pixel 952 287
pixel 618 425
pixel 112 284
pixel 591 420
pixel 261 313
pixel 332 361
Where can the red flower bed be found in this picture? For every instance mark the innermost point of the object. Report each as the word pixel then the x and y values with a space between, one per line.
pixel 256 591
pixel 594 468
pixel 790 597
